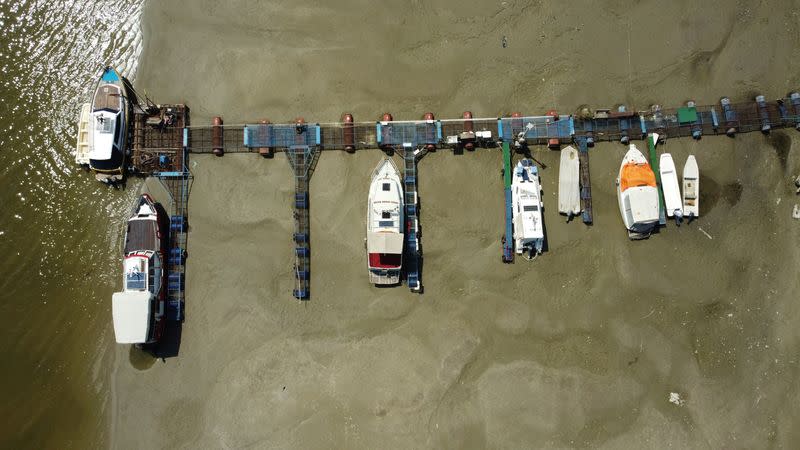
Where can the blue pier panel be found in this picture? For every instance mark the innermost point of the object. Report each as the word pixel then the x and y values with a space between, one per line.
pixel 643 126
pixel 714 119
pixel 500 129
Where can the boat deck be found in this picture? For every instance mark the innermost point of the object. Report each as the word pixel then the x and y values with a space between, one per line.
pixel 107 98
pixel 377 279
pixel 534 130
pixel 141 235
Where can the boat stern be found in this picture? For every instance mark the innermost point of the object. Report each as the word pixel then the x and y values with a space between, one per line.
pixel 132 315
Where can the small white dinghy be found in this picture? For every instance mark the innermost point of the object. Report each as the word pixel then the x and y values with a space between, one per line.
pixel 669 184
pixel 83 147
pixel 569 190
pixel 691 188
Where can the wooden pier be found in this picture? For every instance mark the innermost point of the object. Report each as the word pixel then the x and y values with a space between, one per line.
pixel 157 141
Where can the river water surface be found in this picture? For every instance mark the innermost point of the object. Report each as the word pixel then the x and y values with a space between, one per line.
pixel 583 347
pixel 59 229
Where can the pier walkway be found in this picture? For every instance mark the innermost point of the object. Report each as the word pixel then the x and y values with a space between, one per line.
pixel 508 237
pixel 162 140
pixel 586 183
pixel 302 154
pixel 413 252
pixel 600 125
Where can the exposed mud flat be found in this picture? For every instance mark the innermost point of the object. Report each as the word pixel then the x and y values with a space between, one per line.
pixel 581 347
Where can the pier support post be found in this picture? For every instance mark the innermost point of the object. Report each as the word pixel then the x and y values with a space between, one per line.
pixel 216 137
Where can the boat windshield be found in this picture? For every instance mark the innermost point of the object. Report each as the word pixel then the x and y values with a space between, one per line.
pixel 135 281
pixel 105 125
pixel 533 208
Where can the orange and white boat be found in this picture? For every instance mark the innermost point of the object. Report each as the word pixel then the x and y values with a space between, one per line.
pixel 637 194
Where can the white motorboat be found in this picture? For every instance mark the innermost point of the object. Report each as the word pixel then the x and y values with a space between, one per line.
pixel 139 311
pixel 691 188
pixel 527 209
pixel 637 194
pixel 669 185
pixel 569 189
pixel 385 225
pixel 109 127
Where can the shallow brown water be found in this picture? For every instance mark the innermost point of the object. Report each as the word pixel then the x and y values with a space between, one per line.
pixel 59 230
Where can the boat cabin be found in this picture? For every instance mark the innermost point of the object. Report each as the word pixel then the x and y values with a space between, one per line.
pixel 108 130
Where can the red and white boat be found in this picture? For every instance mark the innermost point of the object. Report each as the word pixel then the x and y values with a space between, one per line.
pixel 139 311
pixel 384 225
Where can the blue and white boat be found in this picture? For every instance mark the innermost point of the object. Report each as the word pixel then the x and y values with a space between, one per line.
pixel 109 127
pixel 527 209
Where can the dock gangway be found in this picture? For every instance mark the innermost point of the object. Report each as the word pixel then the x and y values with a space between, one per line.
pixel 411 203
pixel 586 182
pixel 301 158
pixel 508 238
pixel 177 185
pixel 300 143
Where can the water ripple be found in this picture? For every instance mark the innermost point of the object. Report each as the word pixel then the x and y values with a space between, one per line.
pixel 60 230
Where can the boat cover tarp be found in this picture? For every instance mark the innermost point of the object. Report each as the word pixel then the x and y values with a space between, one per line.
pixel 384 243
pixel 634 175
pixel 131 314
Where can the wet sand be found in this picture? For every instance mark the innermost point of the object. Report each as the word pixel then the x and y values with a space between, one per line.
pixel 581 347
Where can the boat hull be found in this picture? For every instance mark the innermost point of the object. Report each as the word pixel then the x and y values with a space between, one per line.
pixel 637 195
pixel 669 185
pixel 110 114
pixel 527 209
pixel 569 191
pixel 384 241
pixel 691 188
pixel 140 314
